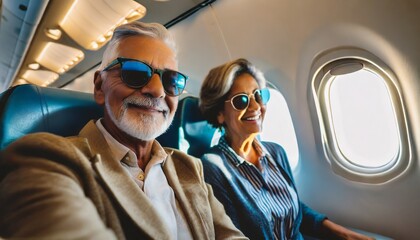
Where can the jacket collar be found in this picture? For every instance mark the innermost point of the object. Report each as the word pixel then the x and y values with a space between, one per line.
pixel 134 202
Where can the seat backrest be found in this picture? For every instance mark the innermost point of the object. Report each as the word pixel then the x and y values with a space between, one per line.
pixel 195 133
pixel 28 108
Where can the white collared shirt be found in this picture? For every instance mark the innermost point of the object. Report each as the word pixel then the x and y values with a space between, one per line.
pixel 153 182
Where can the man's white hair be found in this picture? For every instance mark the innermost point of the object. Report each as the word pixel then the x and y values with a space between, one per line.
pixel 154 30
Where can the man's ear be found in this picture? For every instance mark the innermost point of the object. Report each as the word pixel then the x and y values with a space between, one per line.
pixel 98 93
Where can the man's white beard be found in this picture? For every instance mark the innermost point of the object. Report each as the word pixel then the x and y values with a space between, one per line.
pixel 145 127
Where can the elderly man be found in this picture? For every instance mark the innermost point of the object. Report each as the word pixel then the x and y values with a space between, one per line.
pixel 114 180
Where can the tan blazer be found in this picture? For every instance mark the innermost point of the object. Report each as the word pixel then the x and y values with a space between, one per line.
pixel 70 188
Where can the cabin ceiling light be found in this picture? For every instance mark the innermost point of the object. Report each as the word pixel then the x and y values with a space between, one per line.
pixel 59 58
pixel 34 66
pixel 40 77
pixel 53 33
pixel 20 81
pixel 91 22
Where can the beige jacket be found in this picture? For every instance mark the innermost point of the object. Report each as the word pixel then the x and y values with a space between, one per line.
pixel 69 188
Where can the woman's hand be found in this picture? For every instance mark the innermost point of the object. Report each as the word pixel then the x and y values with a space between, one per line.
pixel 339 232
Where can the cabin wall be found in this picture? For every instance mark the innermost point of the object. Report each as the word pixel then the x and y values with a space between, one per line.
pixel 283 38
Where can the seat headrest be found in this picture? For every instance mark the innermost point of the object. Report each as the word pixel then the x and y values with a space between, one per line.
pixel 196 133
pixel 28 108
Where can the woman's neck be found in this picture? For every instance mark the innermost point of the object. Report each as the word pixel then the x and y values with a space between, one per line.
pixel 245 148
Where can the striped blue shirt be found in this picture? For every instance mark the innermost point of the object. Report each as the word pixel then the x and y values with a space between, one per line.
pixel 269 189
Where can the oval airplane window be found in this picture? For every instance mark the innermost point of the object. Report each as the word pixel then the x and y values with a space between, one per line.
pixel 283 133
pixel 361 116
pixel 363 119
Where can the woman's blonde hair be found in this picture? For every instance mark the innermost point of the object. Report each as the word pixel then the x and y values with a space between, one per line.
pixel 218 83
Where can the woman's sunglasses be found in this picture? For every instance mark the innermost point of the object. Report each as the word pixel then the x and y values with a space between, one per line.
pixel 137 74
pixel 241 101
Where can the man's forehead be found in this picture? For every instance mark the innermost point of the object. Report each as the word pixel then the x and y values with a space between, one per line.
pixel 147 49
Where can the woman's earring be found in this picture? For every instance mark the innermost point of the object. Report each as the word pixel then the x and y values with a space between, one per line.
pixel 221 129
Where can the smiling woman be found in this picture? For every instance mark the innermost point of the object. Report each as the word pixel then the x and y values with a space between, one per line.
pixel 252 178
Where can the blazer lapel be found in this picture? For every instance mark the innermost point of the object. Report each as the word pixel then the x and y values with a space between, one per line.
pixel 132 199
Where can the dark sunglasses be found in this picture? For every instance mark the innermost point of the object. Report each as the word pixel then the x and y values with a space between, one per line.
pixel 136 74
pixel 241 101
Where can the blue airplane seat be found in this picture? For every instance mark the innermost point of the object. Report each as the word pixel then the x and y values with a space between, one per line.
pixel 195 133
pixel 29 108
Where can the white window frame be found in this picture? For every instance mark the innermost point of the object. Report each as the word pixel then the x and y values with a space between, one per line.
pixel 321 80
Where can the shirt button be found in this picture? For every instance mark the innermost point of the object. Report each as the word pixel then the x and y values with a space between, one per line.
pixel 140 176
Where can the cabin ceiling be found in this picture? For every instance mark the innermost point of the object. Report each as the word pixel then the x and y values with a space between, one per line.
pixel 22 33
